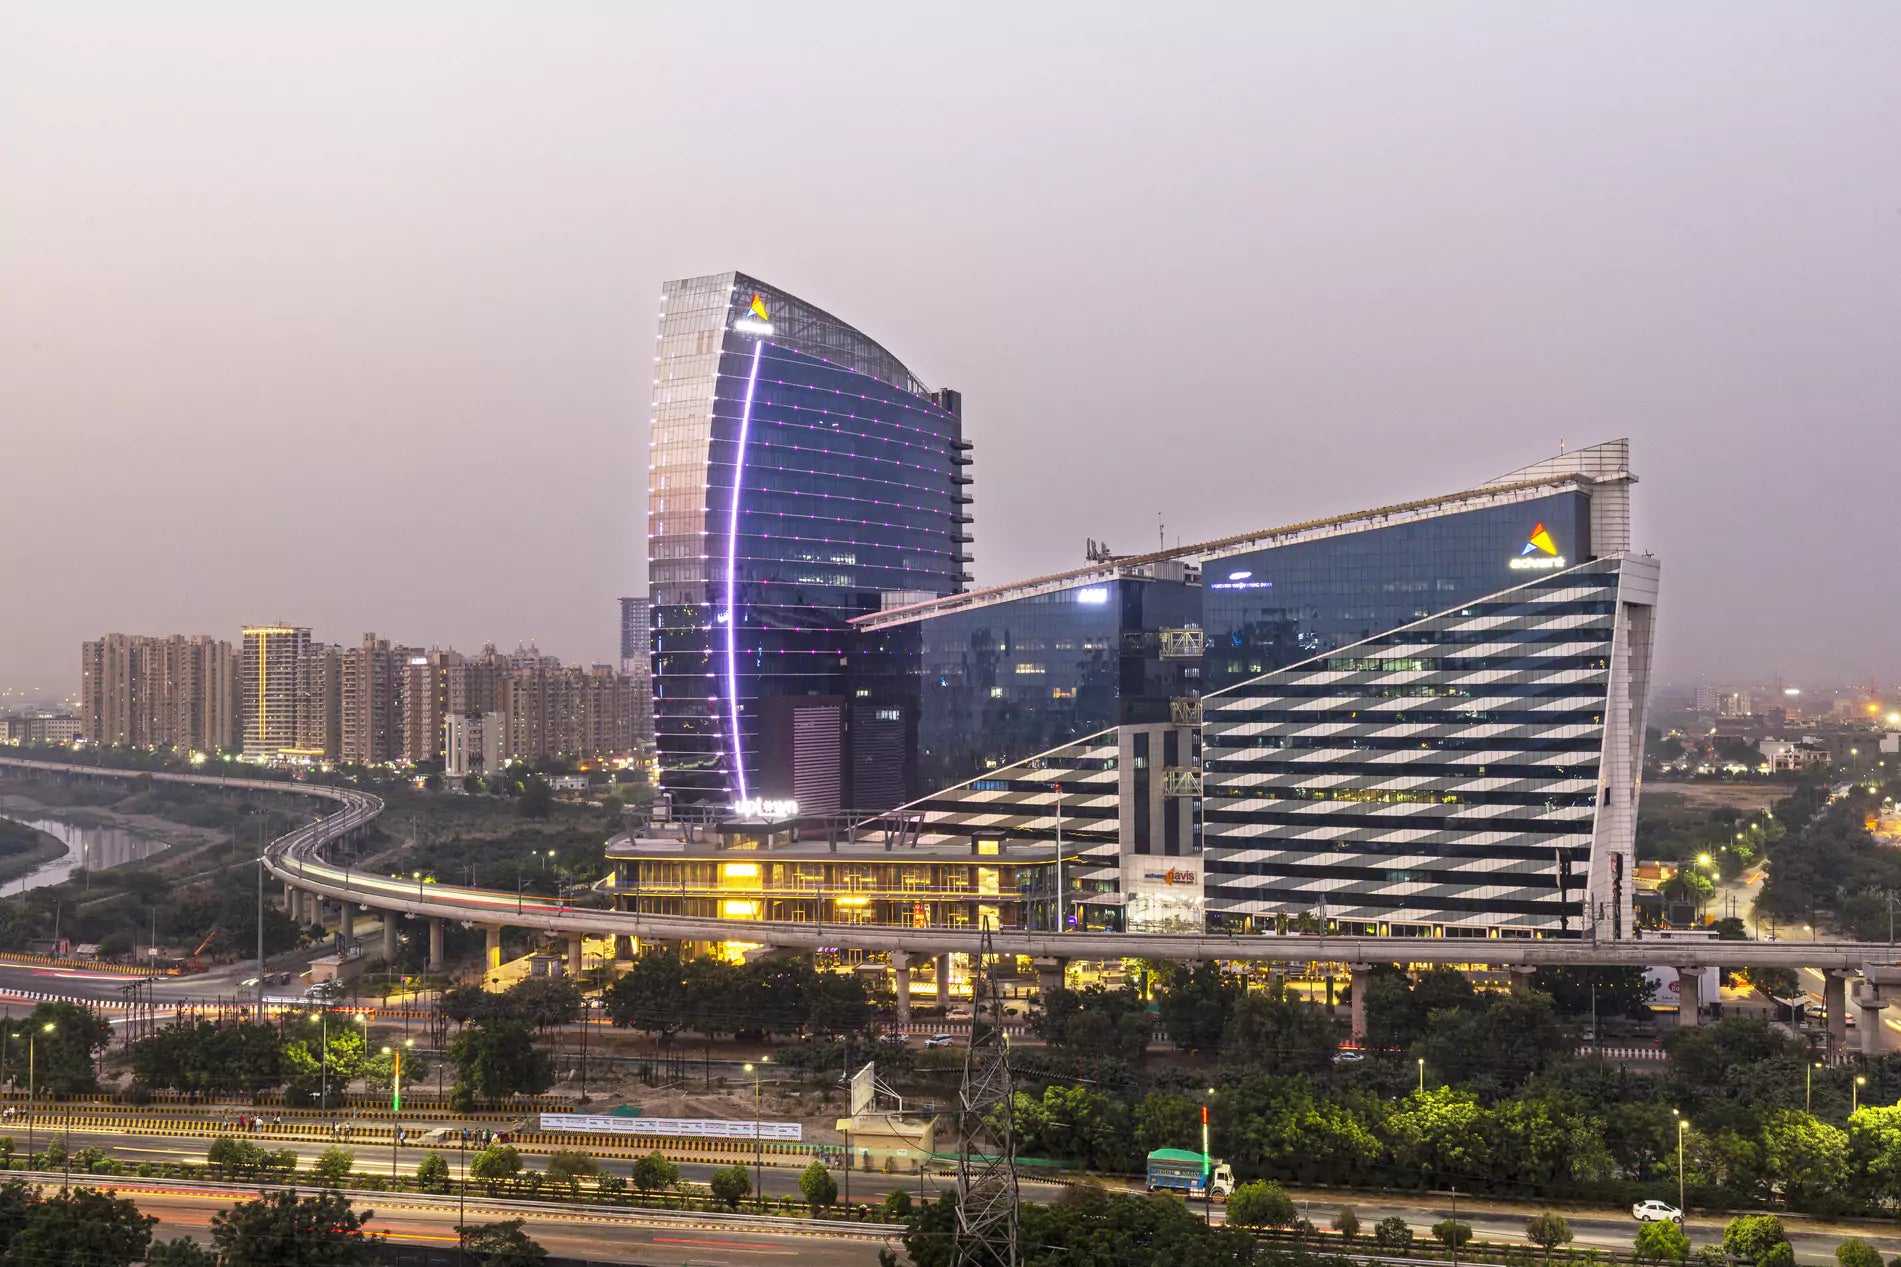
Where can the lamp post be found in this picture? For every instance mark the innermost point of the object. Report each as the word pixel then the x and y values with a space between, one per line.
pixel 1207 1168
pixel 32 1102
pixel 1683 1127
pixel 757 1158
pixel 1808 1085
pixel 1422 1075
pixel 1854 1095
pixel 323 1062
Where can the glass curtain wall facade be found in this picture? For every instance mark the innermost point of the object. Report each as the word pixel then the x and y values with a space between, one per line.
pixel 800 474
pixel 1470 774
pixel 1269 608
pixel 995 682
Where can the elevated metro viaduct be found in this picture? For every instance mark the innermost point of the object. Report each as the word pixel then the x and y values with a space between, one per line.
pixel 298 860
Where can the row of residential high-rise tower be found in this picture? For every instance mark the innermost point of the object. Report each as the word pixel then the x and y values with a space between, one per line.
pixel 280 695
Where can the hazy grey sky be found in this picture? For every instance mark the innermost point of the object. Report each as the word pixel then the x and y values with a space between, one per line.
pixel 343 313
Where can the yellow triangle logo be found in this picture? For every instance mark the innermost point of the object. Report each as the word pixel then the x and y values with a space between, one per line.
pixel 1540 541
pixel 759 307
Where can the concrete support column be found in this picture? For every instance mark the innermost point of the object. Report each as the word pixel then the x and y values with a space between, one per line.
pixel 576 966
pixel 1361 974
pixel 493 959
pixel 1689 996
pixel 1049 976
pixel 435 945
pixel 346 925
pixel 623 947
pixel 1870 1025
pixel 1835 1007
pixel 943 979
pixel 390 946
pixel 1521 978
pixel 290 900
pixel 901 982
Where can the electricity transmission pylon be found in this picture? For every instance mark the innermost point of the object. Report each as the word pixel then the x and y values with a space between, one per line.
pixel 986 1234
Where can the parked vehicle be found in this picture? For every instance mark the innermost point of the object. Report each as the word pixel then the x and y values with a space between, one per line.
pixel 1656 1212
pixel 1193 1174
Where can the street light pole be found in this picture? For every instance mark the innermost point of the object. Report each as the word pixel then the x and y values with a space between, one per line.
pixel 757 1159
pixel 1854 1102
pixel 1207 1169
pixel 1422 1075
pixel 1683 1127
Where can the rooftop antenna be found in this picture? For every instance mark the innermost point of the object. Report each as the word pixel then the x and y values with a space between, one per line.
pixel 1561 446
pixel 1161 534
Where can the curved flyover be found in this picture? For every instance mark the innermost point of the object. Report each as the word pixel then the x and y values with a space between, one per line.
pixel 298 860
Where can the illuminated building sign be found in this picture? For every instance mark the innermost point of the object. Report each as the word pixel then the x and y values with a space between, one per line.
pixel 1174 875
pixel 771 811
pixel 1094 594
pixel 1540 553
pixel 756 321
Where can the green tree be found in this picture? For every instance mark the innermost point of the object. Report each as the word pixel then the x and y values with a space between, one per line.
pixel 237 1157
pixel 818 1187
pixel 1393 1233
pixel 495 1165
pixel 1451 1233
pixel 497 1059
pixel 1855 1252
pixel 1805 1156
pixel 654 1173
pixel 1260 1204
pixel 1346 1222
pixel 1073 1124
pixel 433 1174
pixel 1439 1131
pixel 1548 1231
pixel 333 1166
pixel 730 1184
pixel 282 1229
pixel 502 1244
pixel 1167 1119
pixel 1095 1021
pixel 180 1251
pixel 896 1206
pixel 1195 1002
pixel 1662 1242
pixel 570 1168
pixel 1874 1152
pixel 537 799
pixel 1750 1236
pixel 82 1227
pixel 65 1055
pixel 1275 1032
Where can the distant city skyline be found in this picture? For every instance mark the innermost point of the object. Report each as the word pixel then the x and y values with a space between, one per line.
pixel 363 343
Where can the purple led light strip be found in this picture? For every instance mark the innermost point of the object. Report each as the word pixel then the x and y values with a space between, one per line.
pixel 732 564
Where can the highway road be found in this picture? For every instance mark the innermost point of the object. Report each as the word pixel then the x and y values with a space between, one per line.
pixel 1814 1240
pixel 615 1236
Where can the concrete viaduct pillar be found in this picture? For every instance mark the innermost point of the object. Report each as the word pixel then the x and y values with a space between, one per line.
pixel 390 947
pixel 346 926
pixel 1689 996
pixel 435 945
pixel 1835 1007
pixel 1521 978
pixel 1361 974
pixel 576 944
pixel 943 979
pixel 1050 974
pixel 493 958
pixel 1880 984
pixel 901 982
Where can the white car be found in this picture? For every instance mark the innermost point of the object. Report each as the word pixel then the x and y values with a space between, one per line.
pixel 938 1040
pixel 1655 1212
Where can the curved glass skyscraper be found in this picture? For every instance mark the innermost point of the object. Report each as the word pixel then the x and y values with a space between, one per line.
pixel 800 476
